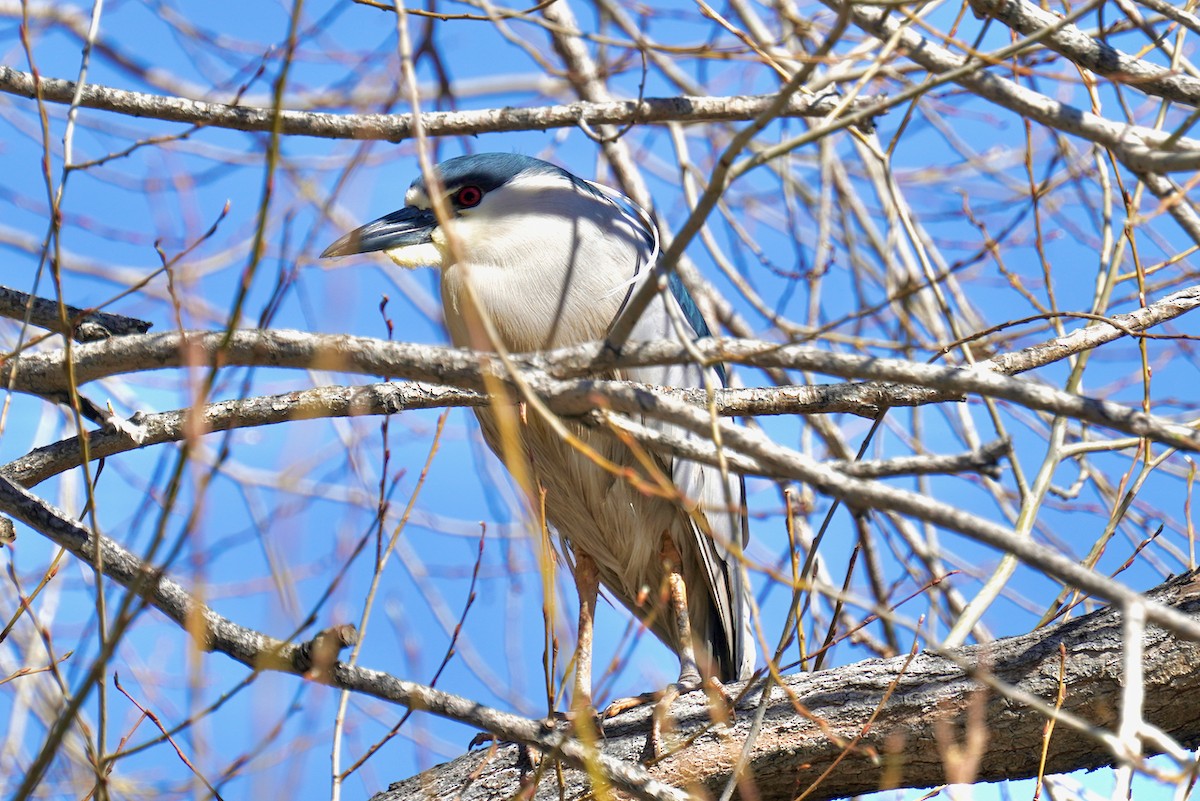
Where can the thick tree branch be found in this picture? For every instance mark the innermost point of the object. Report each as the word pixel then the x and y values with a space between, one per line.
pixel 885 723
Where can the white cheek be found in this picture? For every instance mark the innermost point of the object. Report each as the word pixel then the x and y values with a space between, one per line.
pixel 452 236
pixel 426 254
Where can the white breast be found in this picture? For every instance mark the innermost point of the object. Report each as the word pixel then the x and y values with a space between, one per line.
pixel 546 278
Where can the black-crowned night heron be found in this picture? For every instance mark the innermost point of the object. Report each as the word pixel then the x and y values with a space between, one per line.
pixel 552 259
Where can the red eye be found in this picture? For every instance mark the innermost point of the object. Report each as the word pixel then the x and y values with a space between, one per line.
pixel 468 196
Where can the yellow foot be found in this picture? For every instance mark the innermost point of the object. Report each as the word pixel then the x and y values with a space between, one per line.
pixel 622 705
pixel 681 687
pixel 721 710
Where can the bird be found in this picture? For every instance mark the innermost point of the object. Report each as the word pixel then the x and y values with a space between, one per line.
pixel 551 260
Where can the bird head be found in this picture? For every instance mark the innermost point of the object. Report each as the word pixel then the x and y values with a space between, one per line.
pixel 490 199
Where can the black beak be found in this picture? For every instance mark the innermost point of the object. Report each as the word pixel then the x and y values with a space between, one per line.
pixel 408 226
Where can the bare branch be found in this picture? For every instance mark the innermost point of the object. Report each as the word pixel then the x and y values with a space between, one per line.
pixel 1099 57
pixel 260 652
pixel 1139 148
pixel 982 460
pixel 1096 334
pixel 84 325
pixel 44 373
pixel 175 426
pixel 397 127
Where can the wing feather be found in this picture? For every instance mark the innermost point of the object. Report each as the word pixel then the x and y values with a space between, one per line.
pixel 718 518
pixel 719 506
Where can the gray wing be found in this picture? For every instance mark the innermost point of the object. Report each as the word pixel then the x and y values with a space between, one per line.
pixel 721 616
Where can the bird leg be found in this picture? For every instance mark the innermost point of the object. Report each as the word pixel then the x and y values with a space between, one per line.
pixel 690 677
pixel 689 671
pixel 587 583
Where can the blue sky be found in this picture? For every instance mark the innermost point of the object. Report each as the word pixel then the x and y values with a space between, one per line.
pixel 287 504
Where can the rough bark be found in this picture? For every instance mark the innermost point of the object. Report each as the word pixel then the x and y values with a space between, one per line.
pixel 906 713
pixel 398 127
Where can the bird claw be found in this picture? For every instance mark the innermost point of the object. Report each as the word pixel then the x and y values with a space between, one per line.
pixel 622 705
pixel 482 738
pixel 683 686
pixel 661 722
pixel 721 710
pixel 662 700
pixel 529 758
pixel 549 724
pixel 721 703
